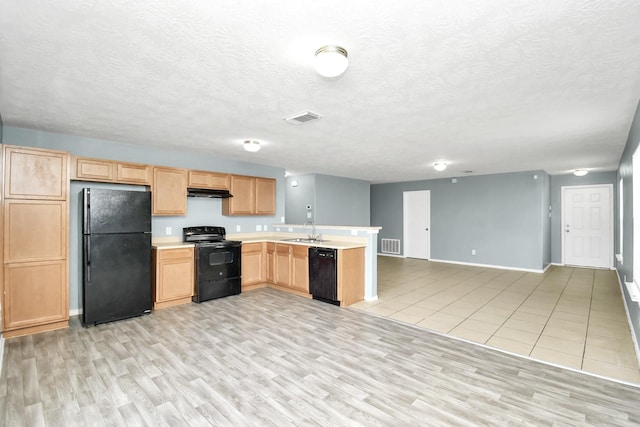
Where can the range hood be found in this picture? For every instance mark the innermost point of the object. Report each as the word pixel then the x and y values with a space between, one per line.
pixel 206 192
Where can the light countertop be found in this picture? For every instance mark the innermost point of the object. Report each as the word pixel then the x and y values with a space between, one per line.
pixel 172 245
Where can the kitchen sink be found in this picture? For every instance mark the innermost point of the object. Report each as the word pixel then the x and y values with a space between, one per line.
pixel 302 240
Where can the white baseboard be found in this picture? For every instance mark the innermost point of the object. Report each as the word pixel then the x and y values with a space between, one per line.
pixel 75 312
pixel 634 333
pixel 391 255
pixel 500 267
pixel 374 298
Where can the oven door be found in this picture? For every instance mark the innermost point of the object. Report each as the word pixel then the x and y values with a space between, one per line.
pixel 217 262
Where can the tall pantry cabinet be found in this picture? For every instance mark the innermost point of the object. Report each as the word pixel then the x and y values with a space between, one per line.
pixel 35 242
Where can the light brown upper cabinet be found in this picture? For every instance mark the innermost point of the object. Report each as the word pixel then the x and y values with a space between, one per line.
pixel 133 173
pixel 86 169
pixel 251 196
pixel 33 173
pixel 211 180
pixel 265 196
pixel 169 191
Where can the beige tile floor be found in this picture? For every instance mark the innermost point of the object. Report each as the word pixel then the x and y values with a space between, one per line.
pixel 568 316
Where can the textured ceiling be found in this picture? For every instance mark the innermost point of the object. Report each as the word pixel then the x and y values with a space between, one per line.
pixel 491 86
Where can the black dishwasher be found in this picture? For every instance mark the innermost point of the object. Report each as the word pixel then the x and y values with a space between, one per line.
pixel 323 274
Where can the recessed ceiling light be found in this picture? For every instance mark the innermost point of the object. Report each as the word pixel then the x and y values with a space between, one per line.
pixel 252 145
pixel 580 172
pixel 440 165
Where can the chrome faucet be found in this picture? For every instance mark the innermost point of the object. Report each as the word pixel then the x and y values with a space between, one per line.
pixel 313 235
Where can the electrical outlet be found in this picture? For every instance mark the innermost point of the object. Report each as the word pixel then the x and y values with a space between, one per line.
pixel 354 232
pixel 258 228
pixel 167 231
pixel 290 229
pixel 473 251
pixel 264 227
pixel 237 228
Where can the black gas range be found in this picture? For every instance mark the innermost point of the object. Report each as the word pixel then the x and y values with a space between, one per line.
pixel 217 262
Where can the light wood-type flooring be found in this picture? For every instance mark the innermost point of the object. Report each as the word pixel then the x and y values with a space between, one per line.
pixel 269 358
pixel 573 317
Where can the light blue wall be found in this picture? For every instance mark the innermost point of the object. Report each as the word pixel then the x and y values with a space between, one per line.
pixel 334 200
pixel 625 172
pixel 342 201
pixel 559 181
pixel 501 216
pixel 297 198
pixel 200 211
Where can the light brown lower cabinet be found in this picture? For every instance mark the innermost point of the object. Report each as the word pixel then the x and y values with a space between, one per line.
pixel 300 268
pixel 173 276
pixel 253 266
pixel 36 297
pixel 350 276
pixel 286 266
pixel 282 270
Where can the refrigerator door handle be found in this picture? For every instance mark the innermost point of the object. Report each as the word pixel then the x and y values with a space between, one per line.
pixel 88 257
pixel 87 212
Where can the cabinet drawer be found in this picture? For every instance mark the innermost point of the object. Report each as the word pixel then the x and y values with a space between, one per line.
pixel 165 254
pixel 300 251
pixel 92 169
pixel 133 173
pixel 251 247
pixel 282 248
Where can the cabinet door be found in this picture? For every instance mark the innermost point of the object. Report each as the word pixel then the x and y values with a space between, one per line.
pixel 175 274
pixel 265 196
pixel 84 169
pixel 33 173
pixel 169 191
pixel 300 268
pixel 219 181
pixel 282 275
pixel 34 230
pixel 350 275
pixel 243 189
pixel 270 262
pixel 133 173
pixel 198 179
pixel 252 264
pixel 35 294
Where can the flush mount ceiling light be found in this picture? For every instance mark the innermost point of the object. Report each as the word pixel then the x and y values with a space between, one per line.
pixel 331 61
pixel 580 172
pixel 440 166
pixel 251 145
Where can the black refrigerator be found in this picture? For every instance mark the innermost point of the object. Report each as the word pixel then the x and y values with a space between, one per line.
pixel 116 254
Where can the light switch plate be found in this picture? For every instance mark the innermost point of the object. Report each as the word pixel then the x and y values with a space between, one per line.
pixel 258 228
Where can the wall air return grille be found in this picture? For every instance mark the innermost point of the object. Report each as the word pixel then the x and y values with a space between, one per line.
pixel 305 116
pixel 390 246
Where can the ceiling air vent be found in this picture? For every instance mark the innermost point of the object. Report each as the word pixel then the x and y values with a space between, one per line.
pixel 305 116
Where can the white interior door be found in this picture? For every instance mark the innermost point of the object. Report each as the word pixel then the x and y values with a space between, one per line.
pixel 416 224
pixel 587 226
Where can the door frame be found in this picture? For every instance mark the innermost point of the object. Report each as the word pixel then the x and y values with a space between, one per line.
pixel 611 219
pixel 405 231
